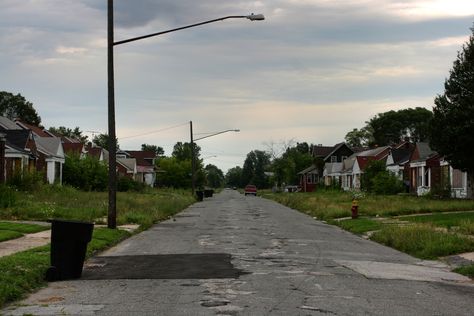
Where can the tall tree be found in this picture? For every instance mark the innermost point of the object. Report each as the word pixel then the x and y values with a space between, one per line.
pixel 452 127
pixel 68 132
pixel 182 151
pixel 359 137
pixel 255 165
pixel 158 150
pixel 17 107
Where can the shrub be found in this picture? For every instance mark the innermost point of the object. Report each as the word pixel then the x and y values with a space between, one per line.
pixel 7 196
pixel 125 184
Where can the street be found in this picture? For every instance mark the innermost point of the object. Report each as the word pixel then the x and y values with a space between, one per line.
pixel 242 255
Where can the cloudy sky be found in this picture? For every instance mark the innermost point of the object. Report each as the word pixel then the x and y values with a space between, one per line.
pixel 312 71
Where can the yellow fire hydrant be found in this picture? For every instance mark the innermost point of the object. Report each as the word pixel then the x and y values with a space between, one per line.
pixel 355 208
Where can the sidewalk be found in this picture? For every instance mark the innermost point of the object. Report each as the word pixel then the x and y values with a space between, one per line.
pixel 42 238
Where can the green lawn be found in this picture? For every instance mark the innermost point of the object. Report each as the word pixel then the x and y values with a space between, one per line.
pixel 447 220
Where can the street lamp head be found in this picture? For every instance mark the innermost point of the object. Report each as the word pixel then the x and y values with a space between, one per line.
pixel 236 130
pixel 255 17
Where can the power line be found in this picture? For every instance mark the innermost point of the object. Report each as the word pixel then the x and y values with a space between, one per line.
pixel 153 132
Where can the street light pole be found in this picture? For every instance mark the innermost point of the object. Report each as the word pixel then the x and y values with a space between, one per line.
pixel 193 153
pixel 112 145
pixel 3 141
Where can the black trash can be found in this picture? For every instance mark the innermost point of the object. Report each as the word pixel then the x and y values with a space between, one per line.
pixel 200 195
pixel 208 192
pixel 69 241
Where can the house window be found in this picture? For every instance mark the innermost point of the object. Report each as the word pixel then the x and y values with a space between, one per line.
pixel 312 178
pixel 333 158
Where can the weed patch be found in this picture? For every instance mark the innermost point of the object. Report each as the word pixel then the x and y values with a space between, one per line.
pixel 466 270
pixel 423 241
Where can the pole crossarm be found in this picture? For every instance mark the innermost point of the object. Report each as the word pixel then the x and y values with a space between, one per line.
pixel 252 17
pixel 229 130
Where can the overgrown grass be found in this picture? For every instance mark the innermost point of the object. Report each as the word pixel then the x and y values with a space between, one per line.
pixel 24 272
pixel 358 226
pixel 423 241
pixel 336 204
pixel 447 220
pixel 68 203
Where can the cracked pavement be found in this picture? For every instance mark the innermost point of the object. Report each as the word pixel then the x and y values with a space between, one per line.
pixel 291 264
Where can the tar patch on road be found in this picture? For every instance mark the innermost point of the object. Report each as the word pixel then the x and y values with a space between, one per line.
pixel 172 266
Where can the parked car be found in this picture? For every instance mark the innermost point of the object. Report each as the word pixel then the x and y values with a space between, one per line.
pixel 250 190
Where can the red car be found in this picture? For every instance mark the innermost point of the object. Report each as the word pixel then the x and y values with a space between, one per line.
pixel 250 189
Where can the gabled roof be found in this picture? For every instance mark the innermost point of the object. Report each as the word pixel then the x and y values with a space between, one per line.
pixel 143 157
pixel 38 131
pixel 401 155
pixel 7 124
pixel 362 161
pixel 322 151
pixel 308 170
pixel 425 151
pixel 50 146
pixel 128 163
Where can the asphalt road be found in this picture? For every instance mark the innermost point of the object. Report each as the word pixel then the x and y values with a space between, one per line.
pixel 237 255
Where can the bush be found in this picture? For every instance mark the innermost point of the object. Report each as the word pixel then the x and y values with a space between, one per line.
pixel 7 196
pixel 27 180
pixel 125 184
pixel 88 174
pixel 386 183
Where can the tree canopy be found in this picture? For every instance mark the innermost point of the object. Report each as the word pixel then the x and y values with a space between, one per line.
pixel 68 132
pixel 452 127
pixel 102 140
pixel 17 107
pixel 158 150
pixel 392 127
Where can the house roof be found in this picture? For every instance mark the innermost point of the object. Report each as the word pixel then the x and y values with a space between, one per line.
pixel 17 138
pixel 38 131
pixel 362 161
pixel 332 168
pixel 308 170
pixel 73 148
pixel 425 151
pixel 143 157
pixel 50 146
pixel 322 151
pixel 401 155
pixel 7 124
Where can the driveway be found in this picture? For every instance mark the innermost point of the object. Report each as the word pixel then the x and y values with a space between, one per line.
pixel 237 255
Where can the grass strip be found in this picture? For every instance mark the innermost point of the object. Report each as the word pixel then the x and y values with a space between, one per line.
pixel 358 226
pixel 8 234
pixel 423 241
pixel 22 227
pixel 466 270
pixel 24 272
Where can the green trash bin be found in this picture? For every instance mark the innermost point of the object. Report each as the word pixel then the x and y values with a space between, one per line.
pixel 69 241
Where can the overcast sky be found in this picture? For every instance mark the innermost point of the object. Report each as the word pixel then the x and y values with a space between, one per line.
pixel 311 72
